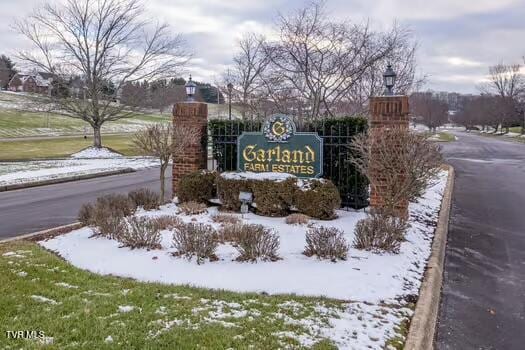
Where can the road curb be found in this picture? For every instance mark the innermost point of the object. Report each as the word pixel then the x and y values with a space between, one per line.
pixel 64 179
pixel 49 233
pixel 423 325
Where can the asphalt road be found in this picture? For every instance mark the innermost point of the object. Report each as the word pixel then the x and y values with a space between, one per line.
pixel 483 298
pixel 34 209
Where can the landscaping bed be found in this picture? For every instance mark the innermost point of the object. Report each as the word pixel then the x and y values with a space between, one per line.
pixel 363 301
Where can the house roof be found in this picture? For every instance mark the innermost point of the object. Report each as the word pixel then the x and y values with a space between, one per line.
pixel 41 79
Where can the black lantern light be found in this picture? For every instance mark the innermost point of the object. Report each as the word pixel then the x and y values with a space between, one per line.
pixel 190 89
pixel 389 78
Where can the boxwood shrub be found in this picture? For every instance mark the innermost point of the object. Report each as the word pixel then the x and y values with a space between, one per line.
pixel 273 198
pixel 199 187
pixel 228 192
pixel 317 198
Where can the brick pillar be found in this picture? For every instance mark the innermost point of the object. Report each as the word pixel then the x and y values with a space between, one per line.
pixel 192 115
pixel 386 112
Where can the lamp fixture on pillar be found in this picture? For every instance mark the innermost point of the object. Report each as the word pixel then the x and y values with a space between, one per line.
pixel 190 90
pixel 389 78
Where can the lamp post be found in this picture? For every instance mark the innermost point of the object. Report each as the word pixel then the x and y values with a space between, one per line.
pixel 230 88
pixel 389 78
pixel 190 90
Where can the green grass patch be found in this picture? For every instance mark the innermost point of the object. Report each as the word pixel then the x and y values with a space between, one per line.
pixel 446 137
pixel 61 147
pixel 81 310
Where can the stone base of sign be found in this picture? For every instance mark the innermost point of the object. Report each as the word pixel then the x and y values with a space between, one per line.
pixel 386 112
pixel 193 116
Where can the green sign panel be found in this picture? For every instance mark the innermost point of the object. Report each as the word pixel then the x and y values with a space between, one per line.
pixel 279 148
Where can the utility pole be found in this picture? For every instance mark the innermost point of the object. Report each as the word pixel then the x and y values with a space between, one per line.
pixel 230 87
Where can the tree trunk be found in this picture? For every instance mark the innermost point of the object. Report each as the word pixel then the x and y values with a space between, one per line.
pixel 97 139
pixel 163 167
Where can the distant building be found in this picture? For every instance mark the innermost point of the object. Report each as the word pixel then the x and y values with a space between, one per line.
pixel 40 83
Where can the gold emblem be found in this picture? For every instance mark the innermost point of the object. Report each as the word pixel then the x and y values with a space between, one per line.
pixel 278 128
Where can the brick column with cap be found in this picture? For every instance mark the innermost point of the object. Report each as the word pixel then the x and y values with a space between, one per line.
pixel 191 115
pixel 386 112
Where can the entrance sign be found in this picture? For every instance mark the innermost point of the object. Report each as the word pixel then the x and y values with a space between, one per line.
pixel 279 148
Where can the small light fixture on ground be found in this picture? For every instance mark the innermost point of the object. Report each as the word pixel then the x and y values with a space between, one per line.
pixel 246 198
pixel 190 90
pixel 389 78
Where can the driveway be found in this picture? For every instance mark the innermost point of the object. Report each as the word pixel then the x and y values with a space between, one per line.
pixel 483 298
pixel 39 208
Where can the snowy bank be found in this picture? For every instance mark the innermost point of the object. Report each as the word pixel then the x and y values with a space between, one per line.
pixel 95 153
pixel 22 172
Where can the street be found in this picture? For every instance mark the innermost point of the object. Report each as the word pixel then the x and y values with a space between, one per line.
pixel 483 297
pixel 39 208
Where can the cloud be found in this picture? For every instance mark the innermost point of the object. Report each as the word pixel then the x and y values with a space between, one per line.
pixel 458 39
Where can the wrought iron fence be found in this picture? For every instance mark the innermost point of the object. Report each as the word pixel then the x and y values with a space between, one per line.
pixel 337 136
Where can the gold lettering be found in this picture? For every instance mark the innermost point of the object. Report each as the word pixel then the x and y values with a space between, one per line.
pixel 248 154
pixel 310 154
pixel 261 155
pixel 297 156
pixel 286 156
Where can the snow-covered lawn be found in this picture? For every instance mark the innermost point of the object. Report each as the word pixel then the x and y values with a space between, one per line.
pixel 88 161
pixel 364 281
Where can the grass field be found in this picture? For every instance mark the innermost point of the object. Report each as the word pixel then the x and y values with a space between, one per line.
pixel 82 310
pixel 61 147
pixel 15 123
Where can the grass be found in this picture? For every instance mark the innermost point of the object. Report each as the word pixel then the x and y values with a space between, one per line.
pixel 81 310
pixel 446 137
pixel 441 136
pixel 61 147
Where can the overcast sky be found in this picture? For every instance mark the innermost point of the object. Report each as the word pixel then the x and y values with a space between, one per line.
pixel 458 39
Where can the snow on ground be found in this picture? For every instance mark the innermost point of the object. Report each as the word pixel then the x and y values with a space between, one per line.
pixel 22 172
pixel 92 152
pixel 363 277
pixel 372 285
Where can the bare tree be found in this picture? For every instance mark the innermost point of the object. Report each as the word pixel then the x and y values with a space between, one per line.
pixel 162 141
pixel 508 83
pixel 105 42
pixel 250 63
pixel 429 110
pixel 406 163
pixel 326 62
pixel 505 80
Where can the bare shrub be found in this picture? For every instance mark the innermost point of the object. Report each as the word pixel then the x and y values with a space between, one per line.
pixel 405 162
pixel 297 219
pixel 162 140
pixel 230 232
pixel 326 243
pixel 109 226
pixel 140 232
pixel 226 219
pixel 197 240
pixel 380 232
pixel 145 198
pixel 108 213
pixel 192 208
pixel 115 204
pixel 167 222
pixel 255 242
pixel 85 214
